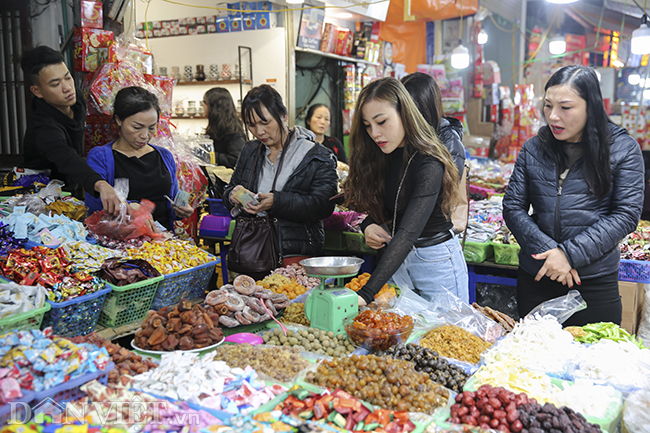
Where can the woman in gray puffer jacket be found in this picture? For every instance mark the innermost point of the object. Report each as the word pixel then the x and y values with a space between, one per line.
pixel 583 177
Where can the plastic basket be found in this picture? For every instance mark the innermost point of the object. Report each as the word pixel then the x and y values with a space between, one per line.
pixel 356 242
pixel 128 303
pixel 506 254
pixel 214 226
pixel 29 320
pixel 478 252
pixel 77 316
pixel 190 283
pixel 69 391
pixel 635 271
pixel 217 207
pixel 20 413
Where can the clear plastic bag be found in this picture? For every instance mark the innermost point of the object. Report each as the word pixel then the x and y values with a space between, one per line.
pixel 636 415
pixel 561 308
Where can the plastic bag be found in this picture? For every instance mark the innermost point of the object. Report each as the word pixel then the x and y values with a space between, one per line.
pixel 131 227
pixel 636 416
pixel 561 308
pixel 52 191
pixel 644 325
pixel 120 272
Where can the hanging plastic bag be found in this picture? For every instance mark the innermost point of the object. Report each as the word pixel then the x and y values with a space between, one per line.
pixel 126 225
pixel 561 308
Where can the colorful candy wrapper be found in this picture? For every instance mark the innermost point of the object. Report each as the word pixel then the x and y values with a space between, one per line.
pixel 9 389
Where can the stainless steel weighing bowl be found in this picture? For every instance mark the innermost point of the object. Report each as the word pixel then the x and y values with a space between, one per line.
pixel 332 266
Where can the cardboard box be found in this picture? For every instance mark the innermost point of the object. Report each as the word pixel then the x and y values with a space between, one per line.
pixel 632 298
pixel 222 25
pixel 98 131
pixel 91 14
pixel 342 41
pixel 90 48
pixel 235 24
pixel 266 20
pixel 249 21
pixel 477 123
pixel 328 41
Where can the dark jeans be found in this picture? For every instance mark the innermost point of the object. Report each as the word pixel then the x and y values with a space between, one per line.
pixel 601 295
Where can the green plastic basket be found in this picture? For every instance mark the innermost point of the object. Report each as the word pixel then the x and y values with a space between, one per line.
pixel 477 252
pixel 29 320
pixel 129 303
pixel 334 241
pixel 356 242
pixel 506 254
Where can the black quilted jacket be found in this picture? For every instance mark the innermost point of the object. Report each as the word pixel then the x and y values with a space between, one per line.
pixel 587 229
pixel 451 135
pixel 303 202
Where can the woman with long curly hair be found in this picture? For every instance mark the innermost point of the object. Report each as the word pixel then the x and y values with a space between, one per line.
pixel 224 127
pixel 407 182
pixel 584 178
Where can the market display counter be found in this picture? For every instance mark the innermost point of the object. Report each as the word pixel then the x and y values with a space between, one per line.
pixel 491 273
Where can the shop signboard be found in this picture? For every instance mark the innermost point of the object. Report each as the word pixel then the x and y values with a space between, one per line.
pixel 311 28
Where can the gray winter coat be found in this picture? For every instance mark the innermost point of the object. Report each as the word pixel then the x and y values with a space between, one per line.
pixel 587 229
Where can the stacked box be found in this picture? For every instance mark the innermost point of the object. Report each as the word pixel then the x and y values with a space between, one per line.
pixel 91 48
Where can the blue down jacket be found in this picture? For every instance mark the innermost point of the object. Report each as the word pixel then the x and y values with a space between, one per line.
pixel 587 229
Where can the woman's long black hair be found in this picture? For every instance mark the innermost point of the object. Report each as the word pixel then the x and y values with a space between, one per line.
pixel 596 138
pixel 221 114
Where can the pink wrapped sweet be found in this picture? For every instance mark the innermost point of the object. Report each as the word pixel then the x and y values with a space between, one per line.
pixel 9 390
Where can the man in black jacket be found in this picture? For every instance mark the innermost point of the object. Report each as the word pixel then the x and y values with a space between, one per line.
pixel 55 131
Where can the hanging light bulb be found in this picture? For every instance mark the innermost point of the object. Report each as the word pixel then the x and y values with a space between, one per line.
pixel 641 38
pixel 482 37
pixel 633 79
pixel 557 45
pixel 561 2
pixel 460 56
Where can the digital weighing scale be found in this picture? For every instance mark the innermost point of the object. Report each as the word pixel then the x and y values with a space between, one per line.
pixel 327 307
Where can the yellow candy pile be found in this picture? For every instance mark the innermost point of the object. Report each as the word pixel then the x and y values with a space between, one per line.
pixel 170 256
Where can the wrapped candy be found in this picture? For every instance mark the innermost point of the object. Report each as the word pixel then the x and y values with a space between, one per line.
pixel 44 229
pixel 16 299
pixel 7 240
pixel 87 257
pixel 170 256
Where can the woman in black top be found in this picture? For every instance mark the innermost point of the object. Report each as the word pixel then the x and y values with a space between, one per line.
pixel 317 121
pixel 224 127
pixel 407 182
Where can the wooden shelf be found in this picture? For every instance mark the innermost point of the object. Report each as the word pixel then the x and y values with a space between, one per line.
pixel 188 117
pixel 335 56
pixel 211 83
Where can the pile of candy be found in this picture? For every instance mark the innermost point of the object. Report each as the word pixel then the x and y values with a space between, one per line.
pixel 7 240
pixel 170 256
pixel 280 363
pixel 118 244
pixel 87 257
pixel 635 245
pixel 485 219
pixel 455 342
pixel 16 299
pixel 50 268
pixel 206 381
pixel 344 411
pixel 38 360
pixel 280 284
pixel 297 272
pixel 45 229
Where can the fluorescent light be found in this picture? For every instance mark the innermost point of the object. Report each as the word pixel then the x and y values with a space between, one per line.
pixel 646 84
pixel 294 2
pixel 557 45
pixel 460 57
pixel 633 79
pixel 641 38
pixel 646 95
pixel 344 15
pixel 561 2
pixel 482 37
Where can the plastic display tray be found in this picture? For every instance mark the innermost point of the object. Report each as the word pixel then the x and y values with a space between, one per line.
pixel 128 303
pixel 506 254
pixel 29 320
pixel 77 316
pixel 635 271
pixel 190 283
pixel 217 207
pixel 478 252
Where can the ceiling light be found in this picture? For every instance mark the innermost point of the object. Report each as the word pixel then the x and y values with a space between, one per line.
pixel 561 2
pixel 344 15
pixel 294 2
pixel 460 57
pixel 646 95
pixel 646 84
pixel 641 38
pixel 633 79
pixel 557 45
pixel 482 37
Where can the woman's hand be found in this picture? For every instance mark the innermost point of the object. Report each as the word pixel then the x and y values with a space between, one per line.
pixel 232 195
pixel 376 237
pixel 183 212
pixel 557 267
pixel 266 202
pixel 110 202
pixel 362 302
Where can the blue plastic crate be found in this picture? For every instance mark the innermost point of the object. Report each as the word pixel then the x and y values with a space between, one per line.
pixel 217 207
pixel 635 271
pixel 77 316
pixel 190 283
pixel 69 391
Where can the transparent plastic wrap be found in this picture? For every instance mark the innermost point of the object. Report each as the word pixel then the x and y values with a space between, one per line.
pixel 126 225
pixel 636 413
pixel 644 325
pixel 445 308
pixel 561 308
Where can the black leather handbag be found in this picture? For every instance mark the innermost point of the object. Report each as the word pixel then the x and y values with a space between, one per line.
pixel 255 247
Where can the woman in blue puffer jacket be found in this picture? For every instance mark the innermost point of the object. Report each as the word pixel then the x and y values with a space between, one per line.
pixel 583 177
